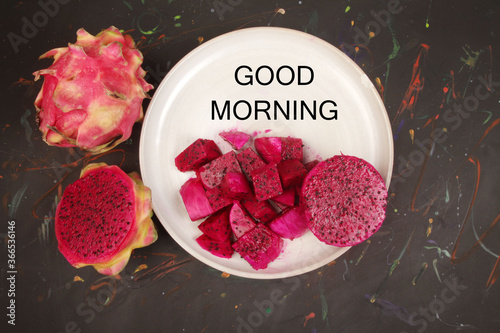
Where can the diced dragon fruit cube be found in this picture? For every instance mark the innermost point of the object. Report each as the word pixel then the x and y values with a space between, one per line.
pixel 196 154
pixel 266 182
pixel 211 174
pixel 259 247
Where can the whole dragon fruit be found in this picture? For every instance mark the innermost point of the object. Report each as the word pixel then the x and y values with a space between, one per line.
pixel 92 94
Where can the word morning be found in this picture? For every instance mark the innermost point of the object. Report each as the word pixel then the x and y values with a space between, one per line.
pixel 289 109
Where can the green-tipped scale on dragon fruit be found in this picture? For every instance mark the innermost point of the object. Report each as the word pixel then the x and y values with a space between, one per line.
pixel 195 199
pixel 102 217
pixel 344 200
pixel 92 94
pixel 240 221
pixel 259 247
pixel 222 249
pixel 290 224
pixel 236 139
pixel 216 226
pixel 196 154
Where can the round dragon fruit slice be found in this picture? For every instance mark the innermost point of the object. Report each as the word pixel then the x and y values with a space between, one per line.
pixel 102 217
pixel 92 93
pixel 344 200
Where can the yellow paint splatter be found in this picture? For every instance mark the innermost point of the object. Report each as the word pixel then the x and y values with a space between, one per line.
pixel 412 135
pixel 225 275
pixel 78 279
pixel 429 228
pixel 140 268
pixel 200 39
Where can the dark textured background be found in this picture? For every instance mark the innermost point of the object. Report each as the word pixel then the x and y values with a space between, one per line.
pixel 429 60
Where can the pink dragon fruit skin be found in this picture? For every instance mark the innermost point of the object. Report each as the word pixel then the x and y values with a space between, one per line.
pixel 103 217
pixel 92 93
pixel 236 139
pixel 290 224
pixel 195 199
pixel 344 200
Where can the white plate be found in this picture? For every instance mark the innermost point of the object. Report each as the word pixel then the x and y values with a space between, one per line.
pixel 181 111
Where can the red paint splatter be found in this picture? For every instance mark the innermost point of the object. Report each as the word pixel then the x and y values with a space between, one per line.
pixel 309 316
pixel 416 84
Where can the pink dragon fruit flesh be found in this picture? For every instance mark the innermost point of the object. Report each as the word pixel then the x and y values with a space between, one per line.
pixel 102 217
pixel 92 93
pixel 344 200
pixel 240 221
pixel 216 226
pixel 259 247
pixel 222 249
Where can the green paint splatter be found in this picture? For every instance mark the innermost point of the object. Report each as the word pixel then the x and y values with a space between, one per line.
pixel 439 250
pixel 324 304
pixel 269 310
pixel 176 17
pixel 490 114
pixel 348 8
pixel 434 264
pixel 177 25
pixel 128 5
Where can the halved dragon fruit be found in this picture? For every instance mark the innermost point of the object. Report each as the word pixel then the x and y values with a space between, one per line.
pixel 344 200
pixel 102 217
pixel 236 139
pixel 259 246
pixel 92 94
